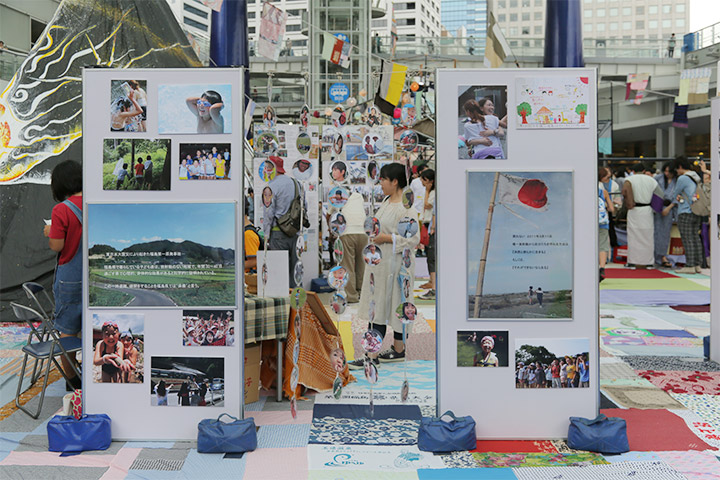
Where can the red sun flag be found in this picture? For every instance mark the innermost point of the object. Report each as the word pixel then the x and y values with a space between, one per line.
pixel 530 193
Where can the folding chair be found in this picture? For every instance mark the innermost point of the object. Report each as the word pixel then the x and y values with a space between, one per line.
pixel 33 291
pixel 48 350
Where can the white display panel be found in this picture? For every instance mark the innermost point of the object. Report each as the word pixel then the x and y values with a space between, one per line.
pixel 715 231
pixel 132 407
pixel 557 139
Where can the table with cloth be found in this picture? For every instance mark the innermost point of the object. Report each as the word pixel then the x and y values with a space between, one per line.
pixel 266 318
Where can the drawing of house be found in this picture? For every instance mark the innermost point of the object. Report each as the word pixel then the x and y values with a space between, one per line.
pixel 544 115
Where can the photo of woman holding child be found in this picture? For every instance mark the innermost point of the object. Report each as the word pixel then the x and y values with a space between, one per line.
pixel 482 125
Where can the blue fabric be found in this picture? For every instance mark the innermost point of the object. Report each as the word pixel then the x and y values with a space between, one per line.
pixel 381 412
pixel 466 474
pixel 70 435
pixel 685 187
pixel 671 333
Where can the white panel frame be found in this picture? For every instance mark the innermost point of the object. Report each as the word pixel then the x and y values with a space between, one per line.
pixel 129 405
pixel 715 231
pixel 489 394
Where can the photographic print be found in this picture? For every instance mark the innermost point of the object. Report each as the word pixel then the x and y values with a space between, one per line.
pixel 187 381
pixel 161 255
pixel 363 143
pixel 482 348
pixel 482 122
pixel 194 109
pixel 208 328
pixel 204 161
pixel 136 164
pixel 552 102
pixel 128 105
pixel 118 348
pixel 552 363
pixel 520 264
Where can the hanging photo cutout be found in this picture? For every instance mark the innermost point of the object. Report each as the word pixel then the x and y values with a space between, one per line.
pixel 372 254
pixel 338 171
pixel 298 273
pixel 327 138
pixel 296 352
pixel 372 283
pixel 294 376
pixel 339 117
pixel 269 117
pixel 373 172
pixel 408 140
pixel 305 116
pixel 372 227
pixel 267 144
pixel 264 274
pixel 337 360
pixel 298 297
pixel 371 311
pixel 267 170
pixel 406 312
pixel 303 143
pixel 372 341
pixel 404 282
pixel 338 143
pixel 373 143
pixel 408 227
pixel 404 391
pixel 406 258
pixel 408 115
pixel 267 196
pixel 338 196
pixel 338 250
pixel 303 170
pixel 337 223
pixel 374 117
pixel 337 277
pixel 371 372
pixel 298 322
pixel 338 303
pixel 408 197
pixel 300 246
pixel 293 407
pixel 337 387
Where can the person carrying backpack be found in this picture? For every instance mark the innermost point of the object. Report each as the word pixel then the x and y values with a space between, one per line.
pixel 688 222
pixel 281 219
pixel 253 242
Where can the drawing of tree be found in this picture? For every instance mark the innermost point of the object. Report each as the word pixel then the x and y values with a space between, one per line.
pixel 524 109
pixel 582 111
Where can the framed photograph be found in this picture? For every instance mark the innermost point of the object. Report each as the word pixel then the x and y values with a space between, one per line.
pixel 194 109
pixel 520 260
pixel 208 328
pixel 136 164
pixel 161 255
pixel 204 161
pixel 482 348
pixel 118 348
pixel 552 363
pixel 187 381
pixel 128 106
pixel 482 122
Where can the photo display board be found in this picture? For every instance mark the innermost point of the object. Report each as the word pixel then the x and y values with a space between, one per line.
pixel 715 231
pixel 517 248
pixel 162 274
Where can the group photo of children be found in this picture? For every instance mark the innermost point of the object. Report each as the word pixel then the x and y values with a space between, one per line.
pixel 136 164
pixel 118 348
pixel 556 363
pixel 201 161
pixel 211 328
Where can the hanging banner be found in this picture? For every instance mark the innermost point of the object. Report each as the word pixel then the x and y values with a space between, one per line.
pixel 335 50
pixel 272 31
pixel 636 82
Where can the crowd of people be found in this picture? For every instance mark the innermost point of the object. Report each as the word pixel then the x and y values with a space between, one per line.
pixel 212 331
pixel 567 372
pixel 632 195
pixel 191 393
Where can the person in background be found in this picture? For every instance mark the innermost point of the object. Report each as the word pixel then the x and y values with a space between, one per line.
pixel 121 176
pixel 605 208
pixel 354 240
pixel 584 372
pixel 139 173
pixel 418 189
pixel 428 180
pixel 665 219
pixel 252 242
pixel 148 172
pixel 65 237
pixel 671 45
pixel 688 223
pixel 637 193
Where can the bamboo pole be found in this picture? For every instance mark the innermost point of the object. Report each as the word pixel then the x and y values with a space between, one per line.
pixel 486 244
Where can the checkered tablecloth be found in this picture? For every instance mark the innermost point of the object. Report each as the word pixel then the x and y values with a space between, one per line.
pixel 266 318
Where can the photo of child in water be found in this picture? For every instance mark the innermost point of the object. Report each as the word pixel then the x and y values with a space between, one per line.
pixel 118 348
pixel 194 109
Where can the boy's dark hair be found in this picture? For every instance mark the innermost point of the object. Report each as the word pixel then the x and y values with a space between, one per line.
pixel 421 168
pixel 339 166
pixel 638 167
pixel 148 157
pixel 66 180
pixel 139 159
pixel 125 166
pixel 394 171
pixel 212 96
pixel 681 162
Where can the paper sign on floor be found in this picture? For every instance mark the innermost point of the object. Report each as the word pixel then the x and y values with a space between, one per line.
pixel 362 457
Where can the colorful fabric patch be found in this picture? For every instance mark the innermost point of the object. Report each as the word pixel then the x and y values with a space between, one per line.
pixel 671 333
pixel 694 465
pixel 466 474
pixel 703 429
pixel 666 363
pixel 514 446
pixel 457 459
pixel 671 341
pixel 497 460
pixel 363 431
pixel 376 458
pixel 624 340
pixel 614 471
pixel 696 382
pixel 706 406
pixel 639 397
pixel 627 332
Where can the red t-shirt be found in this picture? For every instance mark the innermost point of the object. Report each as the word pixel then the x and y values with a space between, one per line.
pixel 65 225
pixel 139 168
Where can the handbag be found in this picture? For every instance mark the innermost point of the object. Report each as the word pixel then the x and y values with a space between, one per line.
pixel 602 434
pixel 437 435
pixel 71 435
pixel 216 436
pixel 424 235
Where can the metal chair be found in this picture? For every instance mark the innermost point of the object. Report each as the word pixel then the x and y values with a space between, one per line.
pixel 33 291
pixel 48 350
